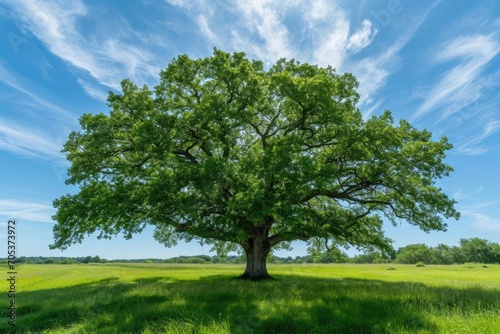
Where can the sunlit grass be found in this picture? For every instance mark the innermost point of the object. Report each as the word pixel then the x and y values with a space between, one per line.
pixel 169 298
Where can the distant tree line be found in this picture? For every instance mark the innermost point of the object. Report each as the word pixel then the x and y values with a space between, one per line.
pixel 469 250
pixel 58 260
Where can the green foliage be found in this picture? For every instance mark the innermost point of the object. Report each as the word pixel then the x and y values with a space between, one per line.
pixel 413 254
pixel 324 253
pixel 68 261
pixel 206 258
pixel 443 254
pixel 420 264
pixel 195 260
pixel 480 250
pixel 325 258
pixel 96 259
pixel 87 259
pixel 229 153
pixel 370 257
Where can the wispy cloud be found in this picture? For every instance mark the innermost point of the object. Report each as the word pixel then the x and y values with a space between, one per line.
pixel 329 28
pixel 373 72
pixel 318 31
pixel 32 98
pixel 29 211
pixel 107 58
pixel 27 141
pixel 179 3
pixel 95 92
pixel 323 34
pixel 461 85
pixel 485 223
pixel 369 111
pixel 470 146
pixel 31 125
pixel 362 37
pixel 479 210
pixel 268 29
pixel 207 31
pixel 263 18
pixel 333 36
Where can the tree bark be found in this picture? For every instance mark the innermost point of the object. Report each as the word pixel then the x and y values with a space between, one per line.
pixel 256 250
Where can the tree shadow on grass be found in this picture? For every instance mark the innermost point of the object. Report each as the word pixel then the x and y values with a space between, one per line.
pixel 287 304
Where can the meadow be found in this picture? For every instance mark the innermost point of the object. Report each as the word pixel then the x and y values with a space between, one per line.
pixel 312 298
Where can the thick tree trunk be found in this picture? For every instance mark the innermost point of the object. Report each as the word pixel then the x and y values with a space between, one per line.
pixel 256 250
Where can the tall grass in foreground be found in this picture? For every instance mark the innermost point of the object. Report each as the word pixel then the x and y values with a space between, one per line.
pixel 131 298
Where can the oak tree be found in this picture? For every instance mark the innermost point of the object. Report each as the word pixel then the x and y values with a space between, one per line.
pixel 228 152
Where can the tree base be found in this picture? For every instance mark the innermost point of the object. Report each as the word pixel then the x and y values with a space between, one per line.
pixel 249 277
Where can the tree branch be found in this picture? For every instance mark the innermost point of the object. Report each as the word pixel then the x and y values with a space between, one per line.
pixel 186 154
pixel 261 135
pixel 198 138
pixel 287 236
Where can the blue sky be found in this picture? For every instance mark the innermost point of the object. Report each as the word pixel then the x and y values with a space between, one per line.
pixel 434 63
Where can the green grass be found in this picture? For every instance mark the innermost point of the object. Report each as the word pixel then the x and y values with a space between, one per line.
pixel 169 298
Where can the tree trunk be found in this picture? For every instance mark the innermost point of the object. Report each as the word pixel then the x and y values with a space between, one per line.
pixel 256 250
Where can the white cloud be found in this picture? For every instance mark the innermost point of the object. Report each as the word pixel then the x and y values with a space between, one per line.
pixel 368 112
pixel 373 72
pixel 262 17
pixel 57 25
pixel 32 135
pixel 469 146
pixel 25 141
pixel 322 33
pixel 479 210
pixel 328 28
pixel 458 195
pixel 472 150
pixel 133 59
pixel 362 37
pixel 29 211
pixel 93 91
pixel 319 11
pixel 461 85
pixel 36 101
pixel 491 127
pixel 485 223
pixel 179 3
pixel 330 45
pixel 207 31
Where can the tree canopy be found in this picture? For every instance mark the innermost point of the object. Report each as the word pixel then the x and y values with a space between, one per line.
pixel 229 152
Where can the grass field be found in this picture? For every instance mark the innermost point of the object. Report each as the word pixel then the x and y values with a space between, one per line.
pixel 340 298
